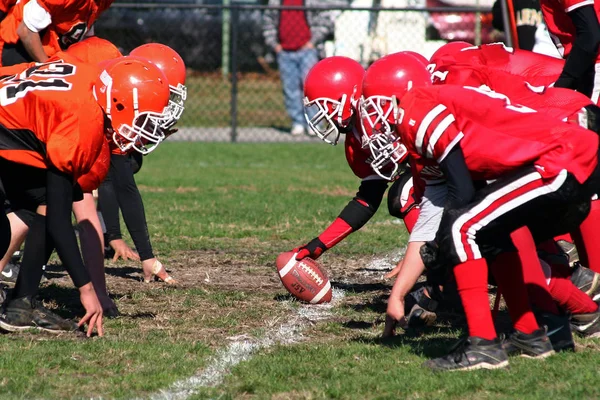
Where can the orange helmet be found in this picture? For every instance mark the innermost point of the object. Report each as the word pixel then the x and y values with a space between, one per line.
pixel 134 94
pixel 171 63
pixel 93 50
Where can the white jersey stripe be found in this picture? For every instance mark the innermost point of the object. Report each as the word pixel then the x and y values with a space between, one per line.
pixel 437 110
pixel 499 211
pixel 437 133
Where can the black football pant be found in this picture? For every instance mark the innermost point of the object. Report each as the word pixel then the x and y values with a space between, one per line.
pixel 548 207
pixel 119 191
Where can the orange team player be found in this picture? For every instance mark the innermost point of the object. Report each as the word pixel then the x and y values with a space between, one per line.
pixel 90 227
pixel 119 190
pixel 35 30
pixel 54 119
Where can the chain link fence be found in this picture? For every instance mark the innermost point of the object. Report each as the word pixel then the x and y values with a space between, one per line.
pixel 234 86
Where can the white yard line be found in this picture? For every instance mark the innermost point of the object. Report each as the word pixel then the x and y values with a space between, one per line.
pixel 243 348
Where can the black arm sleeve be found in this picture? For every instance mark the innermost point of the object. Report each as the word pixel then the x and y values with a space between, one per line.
pixel 581 60
pixel 59 198
pixel 461 189
pixel 109 206
pixel 130 202
pixel 365 204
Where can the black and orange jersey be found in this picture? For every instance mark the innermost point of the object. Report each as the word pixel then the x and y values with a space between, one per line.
pixel 71 19
pixel 49 117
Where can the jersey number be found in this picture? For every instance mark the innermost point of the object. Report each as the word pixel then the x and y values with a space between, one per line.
pixel 495 95
pixel 46 76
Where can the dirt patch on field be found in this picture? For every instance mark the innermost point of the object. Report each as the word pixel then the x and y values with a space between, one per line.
pixel 220 295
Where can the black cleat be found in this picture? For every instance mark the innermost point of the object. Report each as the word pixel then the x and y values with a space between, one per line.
pixel 586 325
pixel 10 273
pixel 533 345
pixel 27 313
pixel 587 281
pixel 558 331
pixel 470 354
pixel 419 317
pixel 570 250
pixel 420 309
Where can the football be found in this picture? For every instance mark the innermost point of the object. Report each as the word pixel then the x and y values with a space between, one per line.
pixel 304 279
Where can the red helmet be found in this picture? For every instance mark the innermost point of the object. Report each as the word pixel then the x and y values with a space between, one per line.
pixel 134 94
pixel 447 51
pixel 93 50
pixel 418 56
pixel 171 63
pixel 386 81
pixel 331 93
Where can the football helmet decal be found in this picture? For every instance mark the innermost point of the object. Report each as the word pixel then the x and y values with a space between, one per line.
pixel 332 89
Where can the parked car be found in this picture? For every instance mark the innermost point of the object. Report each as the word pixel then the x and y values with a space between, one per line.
pixel 459 26
pixel 196 33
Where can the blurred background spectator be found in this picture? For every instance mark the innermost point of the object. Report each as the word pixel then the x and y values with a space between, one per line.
pixel 294 36
pixel 531 32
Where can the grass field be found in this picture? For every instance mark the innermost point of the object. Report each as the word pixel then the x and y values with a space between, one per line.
pixel 218 215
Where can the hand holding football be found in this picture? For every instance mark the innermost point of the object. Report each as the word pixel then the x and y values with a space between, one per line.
pixel 304 279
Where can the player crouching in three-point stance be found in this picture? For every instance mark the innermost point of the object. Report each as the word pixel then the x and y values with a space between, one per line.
pixel 52 137
pixel 332 89
pixel 544 173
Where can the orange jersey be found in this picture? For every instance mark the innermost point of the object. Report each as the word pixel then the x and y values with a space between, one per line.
pixel 95 176
pixel 49 117
pixel 71 19
pixel 6 5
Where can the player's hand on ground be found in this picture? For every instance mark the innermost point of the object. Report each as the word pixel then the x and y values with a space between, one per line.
pixel 394 317
pixel 395 271
pixel 312 249
pixel 123 251
pixel 93 310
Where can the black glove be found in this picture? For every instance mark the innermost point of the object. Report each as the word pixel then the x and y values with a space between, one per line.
pixel 312 249
pixel 436 270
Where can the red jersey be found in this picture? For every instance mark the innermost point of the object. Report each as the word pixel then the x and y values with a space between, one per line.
pixel 359 158
pixel 563 104
pixel 496 136
pixel 537 69
pixel 559 24
pixel 49 117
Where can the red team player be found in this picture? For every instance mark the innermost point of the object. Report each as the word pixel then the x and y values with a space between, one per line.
pixel 538 164
pixel 575 30
pixel 537 69
pixel 52 137
pixel 505 73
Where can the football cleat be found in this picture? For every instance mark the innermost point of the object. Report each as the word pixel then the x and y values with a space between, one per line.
pixel 570 250
pixel 533 345
pixel 558 331
pixel 587 281
pixel 470 354
pixel 10 273
pixel 28 313
pixel 586 325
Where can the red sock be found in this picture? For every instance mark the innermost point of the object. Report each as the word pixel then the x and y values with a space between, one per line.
pixel 588 239
pixel 508 272
pixel 566 237
pixel 567 295
pixel 533 275
pixel 471 282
